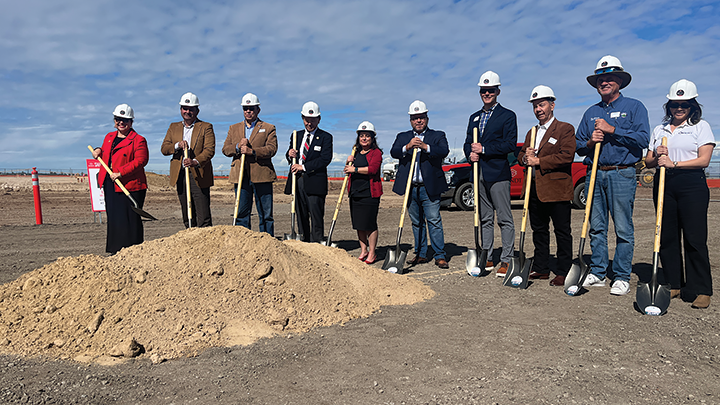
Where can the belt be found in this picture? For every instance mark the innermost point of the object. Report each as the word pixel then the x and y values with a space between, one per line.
pixel 608 168
pixel 417 183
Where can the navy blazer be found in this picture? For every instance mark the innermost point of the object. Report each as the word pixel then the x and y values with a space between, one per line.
pixel 317 160
pixel 430 163
pixel 499 138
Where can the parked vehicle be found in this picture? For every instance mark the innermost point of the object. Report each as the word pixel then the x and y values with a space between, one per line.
pixel 389 170
pixel 459 179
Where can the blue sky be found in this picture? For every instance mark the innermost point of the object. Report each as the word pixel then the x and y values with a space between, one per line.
pixel 67 64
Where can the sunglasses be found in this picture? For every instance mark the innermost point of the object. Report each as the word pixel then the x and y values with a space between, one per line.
pixel 249 108
pixel 608 70
pixel 491 91
pixel 121 119
pixel 418 117
pixel 680 105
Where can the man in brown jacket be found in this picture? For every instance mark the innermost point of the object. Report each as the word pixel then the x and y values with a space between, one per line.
pixel 552 190
pixel 198 137
pixel 256 140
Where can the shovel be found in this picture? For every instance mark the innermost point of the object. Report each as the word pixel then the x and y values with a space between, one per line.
pixel 239 190
pixel 519 267
pixel 293 235
pixel 578 272
pixel 395 259
pixel 653 298
pixel 476 258
pixel 328 241
pixel 187 191
pixel 127 193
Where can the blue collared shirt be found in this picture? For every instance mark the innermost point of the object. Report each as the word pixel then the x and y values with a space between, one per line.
pixel 632 132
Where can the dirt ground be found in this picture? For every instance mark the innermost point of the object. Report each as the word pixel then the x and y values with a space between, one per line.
pixel 474 342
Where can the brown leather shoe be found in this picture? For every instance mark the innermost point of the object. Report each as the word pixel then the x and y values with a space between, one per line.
pixel 534 275
pixel 489 266
pixel 558 281
pixel 702 301
pixel 442 263
pixel 417 260
pixel 674 293
pixel 502 270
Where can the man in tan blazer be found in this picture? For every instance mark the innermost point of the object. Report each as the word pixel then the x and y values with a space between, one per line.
pixel 552 189
pixel 256 140
pixel 198 137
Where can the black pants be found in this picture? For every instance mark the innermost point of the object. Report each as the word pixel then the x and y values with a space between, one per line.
pixel 124 226
pixel 685 218
pixel 200 198
pixel 310 210
pixel 540 215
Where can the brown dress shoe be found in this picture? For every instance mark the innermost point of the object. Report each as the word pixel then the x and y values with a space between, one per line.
pixel 674 293
pixel 558 281
pixel 534 275
pixel 502 270
pixel 489 266
pixel 702 301
pixel 442 263
pixel 417 260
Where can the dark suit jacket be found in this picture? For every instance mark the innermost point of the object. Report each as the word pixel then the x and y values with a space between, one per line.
pixel 553 180
pixel 498 138
pixel 318 158
pixel 430 163
pixel 202 148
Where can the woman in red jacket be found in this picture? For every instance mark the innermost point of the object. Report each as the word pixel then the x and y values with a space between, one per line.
pixel 365 189
pixel 126 153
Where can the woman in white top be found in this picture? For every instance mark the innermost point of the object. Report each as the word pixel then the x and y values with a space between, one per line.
pixel 687 154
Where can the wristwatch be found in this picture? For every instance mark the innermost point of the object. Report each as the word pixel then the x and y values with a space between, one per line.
pixel 675 164
pixel 356 169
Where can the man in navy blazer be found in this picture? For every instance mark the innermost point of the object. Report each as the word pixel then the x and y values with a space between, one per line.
pixel 428 182
pixel 497 137
pixel 314 153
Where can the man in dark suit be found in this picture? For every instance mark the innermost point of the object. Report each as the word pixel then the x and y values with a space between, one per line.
pixel 552 188
pixel 497 131
pixel 314 154
pixel 199 138
pixel 428 182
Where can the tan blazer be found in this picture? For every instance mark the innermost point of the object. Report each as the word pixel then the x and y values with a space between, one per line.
pixel 553 180
pixel 263 141
pixel 202 148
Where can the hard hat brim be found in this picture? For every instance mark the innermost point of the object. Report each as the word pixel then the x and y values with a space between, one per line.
pixel 625 76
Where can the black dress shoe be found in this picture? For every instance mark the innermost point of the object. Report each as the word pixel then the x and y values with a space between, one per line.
pixel 558 281
pixel 417 260
pixel 534 275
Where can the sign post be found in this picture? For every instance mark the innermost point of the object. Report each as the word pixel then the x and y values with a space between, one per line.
pixel 97 196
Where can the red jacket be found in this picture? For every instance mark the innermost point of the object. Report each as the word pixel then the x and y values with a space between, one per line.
pixel 374 158
pixel 128 158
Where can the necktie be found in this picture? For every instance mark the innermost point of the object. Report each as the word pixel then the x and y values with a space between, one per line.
pixel 305 148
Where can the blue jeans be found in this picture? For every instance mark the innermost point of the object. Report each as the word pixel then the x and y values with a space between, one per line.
pixel 614 194
pixel 263 203
pixel 422 209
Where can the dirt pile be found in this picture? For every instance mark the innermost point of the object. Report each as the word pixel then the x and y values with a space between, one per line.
pixel 199 288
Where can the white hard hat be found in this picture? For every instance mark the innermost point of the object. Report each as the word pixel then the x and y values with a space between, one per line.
pixel 124 111
pixel 540 92
pixel 366 126
pixel 310 109
pixel 489 79
pixel 610 64
pixel 189 100
pixel 250 100
pixel 417 107
pixel 682 89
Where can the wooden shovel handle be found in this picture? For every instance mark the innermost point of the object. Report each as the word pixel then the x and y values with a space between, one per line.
pixel 342 190
pixel 294 176
pixel 590 191
pixel 476 181
pixel 107 169
pixel 528 181
pixel 660 201
pixel 407 187
pixel 187 187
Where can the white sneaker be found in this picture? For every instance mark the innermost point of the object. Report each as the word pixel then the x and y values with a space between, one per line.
pixel 593 281
pixel 620 287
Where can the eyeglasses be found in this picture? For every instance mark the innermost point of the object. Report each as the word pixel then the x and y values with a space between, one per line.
pixel 249 108
pixel 680 105
pixel 418 117
pixel 608 70
pixel 121 119
pixel 365 135
pixel 488 90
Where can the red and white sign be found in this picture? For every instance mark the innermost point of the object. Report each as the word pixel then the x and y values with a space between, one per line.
pixel 97 196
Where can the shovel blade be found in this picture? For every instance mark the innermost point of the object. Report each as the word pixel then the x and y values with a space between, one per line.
pixel 332 244
pixel 144 214
pixel 525 274
pixel 512 276
pixel 653 299
pixel 471 263
pixel 575 278
pixel 394 261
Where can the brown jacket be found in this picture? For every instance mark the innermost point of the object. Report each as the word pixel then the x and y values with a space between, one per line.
pixel 202 148
pixel 263 141
pixel 553 178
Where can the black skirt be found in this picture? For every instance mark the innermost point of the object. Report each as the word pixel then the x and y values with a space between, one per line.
pixel 364 213
pixel 124 226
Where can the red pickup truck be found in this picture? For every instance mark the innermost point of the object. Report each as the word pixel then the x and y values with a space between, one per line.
pixel 459 178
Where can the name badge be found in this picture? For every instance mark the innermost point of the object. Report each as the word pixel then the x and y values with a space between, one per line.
pixel 262 130
pixel 317 148
pixel 552 141
pixel 476 119
pixel 615 114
